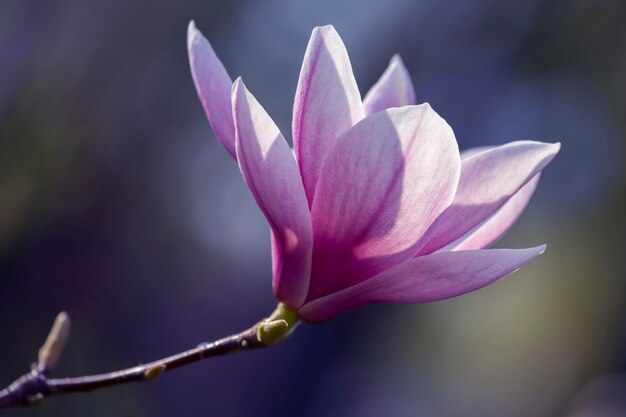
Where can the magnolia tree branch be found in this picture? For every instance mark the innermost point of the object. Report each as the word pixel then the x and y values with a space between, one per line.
pixel 32 388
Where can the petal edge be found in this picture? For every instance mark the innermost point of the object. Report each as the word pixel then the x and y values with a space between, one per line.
pixel 213 85
pixel 271 173
pixel 500 222
pixel 382 184
pixel 488 180
pixel 424 279
pixel 326 104
pixel 394 88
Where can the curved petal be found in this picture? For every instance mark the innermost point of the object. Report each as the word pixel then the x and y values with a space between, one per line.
pixel 327 102
pixel 424 279
pixel 474 151
pixel 488 179
pixel 271 173
pixel 500 222
pixel 381 186
pixel 393 89
pixel 213 86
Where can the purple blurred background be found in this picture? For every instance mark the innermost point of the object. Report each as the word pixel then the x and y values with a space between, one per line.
pixel 118 205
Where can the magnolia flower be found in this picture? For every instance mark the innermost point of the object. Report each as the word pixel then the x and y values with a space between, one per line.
pixel 375 204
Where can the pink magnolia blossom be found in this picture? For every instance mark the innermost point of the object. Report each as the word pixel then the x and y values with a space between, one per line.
pixel 375 204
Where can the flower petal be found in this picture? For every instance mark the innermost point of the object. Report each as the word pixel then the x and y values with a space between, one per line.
pixel 393 89
pixel 271 173
pixel 476 150
pixel 499 223
pixel 381 186
pixel 488 179
pixel 213 86
pixel 327 102
pixel 424 279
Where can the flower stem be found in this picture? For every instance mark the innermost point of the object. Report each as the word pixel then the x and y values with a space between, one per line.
pixel 32 388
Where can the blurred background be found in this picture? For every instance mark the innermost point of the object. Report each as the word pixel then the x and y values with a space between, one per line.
pixel 118 205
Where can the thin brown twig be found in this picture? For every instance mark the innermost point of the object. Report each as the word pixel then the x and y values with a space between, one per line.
pixel 33 387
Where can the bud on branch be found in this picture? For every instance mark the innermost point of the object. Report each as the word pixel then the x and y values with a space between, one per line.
pixel 33 387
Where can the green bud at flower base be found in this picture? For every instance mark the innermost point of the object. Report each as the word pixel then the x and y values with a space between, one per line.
pixel 278 325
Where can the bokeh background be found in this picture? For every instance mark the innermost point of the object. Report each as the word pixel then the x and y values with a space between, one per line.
pixel 118 205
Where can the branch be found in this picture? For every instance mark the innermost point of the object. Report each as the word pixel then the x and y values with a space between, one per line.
pixel 33 387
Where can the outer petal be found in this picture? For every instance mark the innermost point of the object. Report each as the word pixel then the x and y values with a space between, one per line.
pixel 393 89
pixel 327 102
pixel 474 151
pixel 499 223
pixel 488 179
pixel 213 86
pixel 271 173
pixel 381 186
pixel 424 279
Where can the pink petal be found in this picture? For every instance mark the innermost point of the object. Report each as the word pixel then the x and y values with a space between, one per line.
pixel 393 89
pixel 213 86
pixel 488 179
pixel 271 173
pixel 327 102
pixel 381 186
pixel 424 279
pixel 499 223
pixel 476 150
